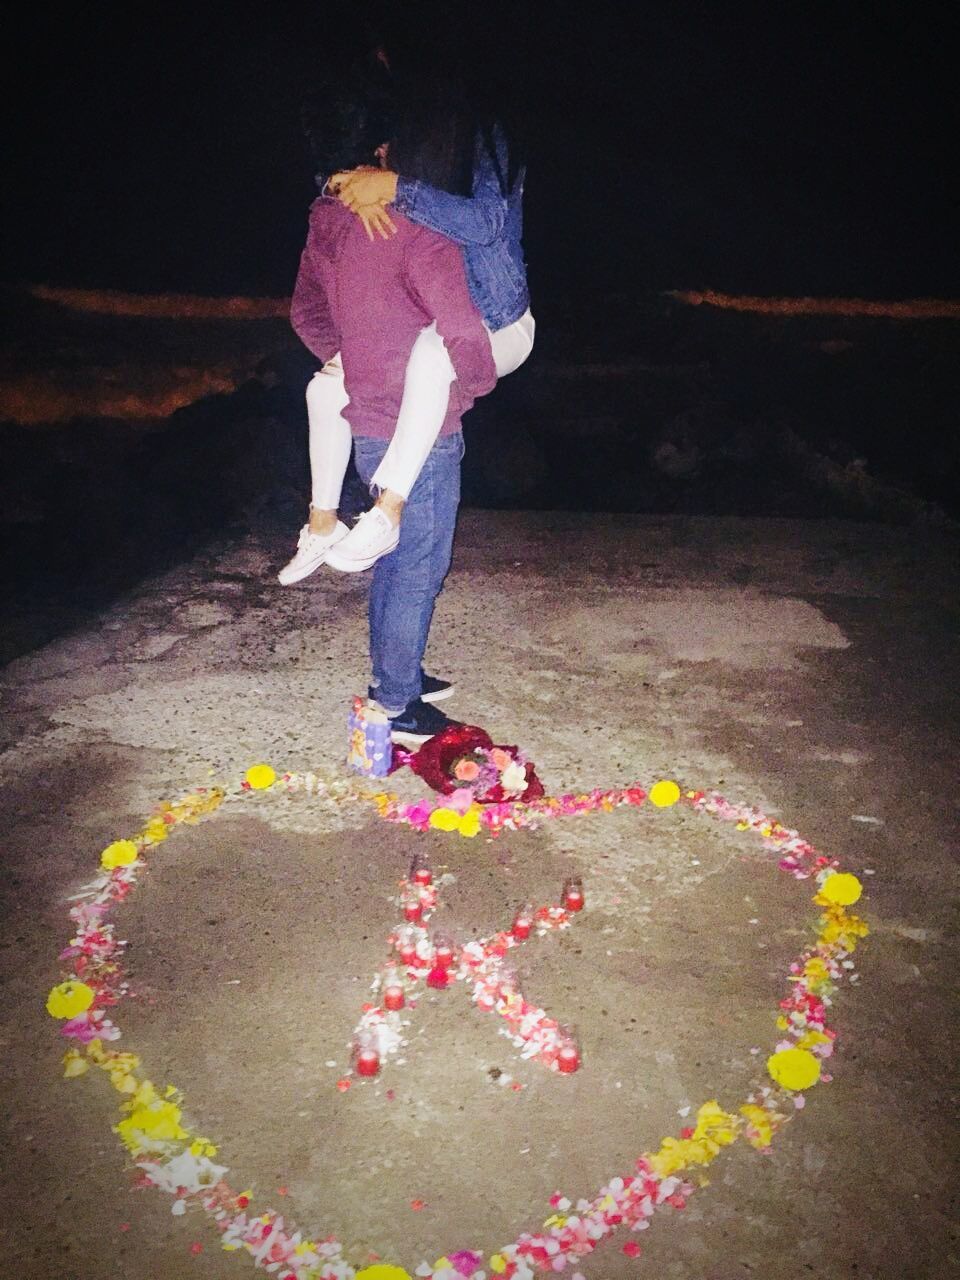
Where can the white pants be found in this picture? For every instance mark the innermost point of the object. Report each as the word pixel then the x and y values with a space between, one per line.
pixel 426 393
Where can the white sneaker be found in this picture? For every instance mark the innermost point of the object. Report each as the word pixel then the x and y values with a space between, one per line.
pixel 370 538
pixel 312 550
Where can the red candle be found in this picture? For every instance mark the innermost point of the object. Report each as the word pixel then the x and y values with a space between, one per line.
pixel 444 952
pixel 568 1059
pixel 393 997
pixel 573 898
pixel 412 910
pixel 420 872
pixel 408 953
pixel 522 924
pixel 368 1062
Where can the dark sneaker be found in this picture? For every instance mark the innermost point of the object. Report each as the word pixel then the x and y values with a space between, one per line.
pixel 433 689
pixel 417 722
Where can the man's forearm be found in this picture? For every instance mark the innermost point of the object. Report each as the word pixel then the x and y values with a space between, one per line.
pixel 311 320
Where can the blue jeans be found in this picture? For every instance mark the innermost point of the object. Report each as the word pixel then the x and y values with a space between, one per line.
pixel 406 583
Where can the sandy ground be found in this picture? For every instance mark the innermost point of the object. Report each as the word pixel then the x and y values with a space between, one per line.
pixel 808 667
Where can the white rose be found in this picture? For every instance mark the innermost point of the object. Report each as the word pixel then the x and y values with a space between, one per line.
pixel 514 778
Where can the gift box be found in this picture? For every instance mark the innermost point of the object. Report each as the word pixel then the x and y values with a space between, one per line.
pixel 370 750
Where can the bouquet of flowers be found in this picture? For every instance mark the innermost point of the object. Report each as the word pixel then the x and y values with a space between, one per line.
pixel 464 758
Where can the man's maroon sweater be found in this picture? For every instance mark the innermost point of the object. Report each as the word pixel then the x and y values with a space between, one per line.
pixel 369 301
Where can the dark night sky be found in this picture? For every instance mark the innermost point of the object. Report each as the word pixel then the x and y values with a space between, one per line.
pixel 800 149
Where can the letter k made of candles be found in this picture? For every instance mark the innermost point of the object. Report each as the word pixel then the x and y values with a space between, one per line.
pixel 416 955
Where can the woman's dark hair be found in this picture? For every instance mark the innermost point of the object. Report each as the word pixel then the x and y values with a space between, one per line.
pixel 346 118
pixel 449 96
pixel 433 140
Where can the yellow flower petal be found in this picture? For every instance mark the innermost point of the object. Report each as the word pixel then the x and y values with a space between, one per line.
pixel 761 1125
pixel 715 1129
pixel 795 1069
pixel 444 820
pixel 261 776
pixel 838 927
pixel 67 999
pixel 74 1064
pixel 841 888
pixel 156 830
pixel 469 824
pixel 816 973
pixel 664 793
pixel 158 1122
pixel 382 1271
pixel 812 1037
pixel 119 854
pixel 498 1263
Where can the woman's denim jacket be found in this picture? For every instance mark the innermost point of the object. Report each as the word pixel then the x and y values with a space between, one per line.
pixel 487 225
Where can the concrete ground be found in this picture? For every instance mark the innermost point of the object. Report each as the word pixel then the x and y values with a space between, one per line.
pixel 810 668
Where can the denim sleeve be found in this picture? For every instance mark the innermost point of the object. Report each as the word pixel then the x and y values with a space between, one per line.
pixel 474 219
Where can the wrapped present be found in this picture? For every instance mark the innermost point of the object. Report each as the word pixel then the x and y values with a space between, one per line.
pixel 370 750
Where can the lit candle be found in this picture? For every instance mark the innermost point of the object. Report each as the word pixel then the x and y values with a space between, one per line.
pixel 568 1059
pixel 392 987
pixel 522 923
pixel 412 910
pixel 568 1055
pixel 443 951
pixel 573 898
pixel 368 1062
pixel 366 1053
pixel 420 872
pixel 393 997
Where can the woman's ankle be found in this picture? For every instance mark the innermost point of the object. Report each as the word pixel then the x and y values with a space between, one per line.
pixel 322 522
pixel 391 504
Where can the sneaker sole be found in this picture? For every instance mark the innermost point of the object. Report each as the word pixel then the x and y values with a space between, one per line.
pixel 288 580
pixel 406 739
pixel 352 565
pixel 439 695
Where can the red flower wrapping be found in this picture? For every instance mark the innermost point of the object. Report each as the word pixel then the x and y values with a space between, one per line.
pixel 435 760
pixel 532 791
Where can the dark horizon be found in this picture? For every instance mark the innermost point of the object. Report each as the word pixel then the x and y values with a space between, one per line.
pixel 747 151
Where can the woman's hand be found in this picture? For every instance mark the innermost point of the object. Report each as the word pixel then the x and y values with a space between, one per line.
pixel 367 192
pixel 375 220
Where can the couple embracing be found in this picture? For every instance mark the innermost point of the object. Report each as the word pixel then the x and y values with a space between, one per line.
pixel 412 294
